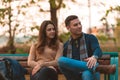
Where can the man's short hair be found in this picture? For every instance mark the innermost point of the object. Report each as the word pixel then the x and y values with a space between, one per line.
pixel 69 18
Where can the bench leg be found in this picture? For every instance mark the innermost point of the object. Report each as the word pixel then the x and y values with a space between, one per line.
pixel 106 77
pixel 114 60
pixel 116 73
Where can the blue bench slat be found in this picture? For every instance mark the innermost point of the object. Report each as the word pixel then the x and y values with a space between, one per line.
pixel 116 73
pixel 112 61
pixel 24 54
pixel 115 54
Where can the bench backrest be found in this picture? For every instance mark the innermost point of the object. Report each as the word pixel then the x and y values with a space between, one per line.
pixel 108 58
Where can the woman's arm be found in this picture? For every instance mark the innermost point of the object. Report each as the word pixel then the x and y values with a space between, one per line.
pixel 31 58
pixel 58 54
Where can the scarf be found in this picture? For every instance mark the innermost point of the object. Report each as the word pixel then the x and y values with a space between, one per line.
pixel 82 48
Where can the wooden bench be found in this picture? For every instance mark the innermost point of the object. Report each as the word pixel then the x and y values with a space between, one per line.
pixel 108 60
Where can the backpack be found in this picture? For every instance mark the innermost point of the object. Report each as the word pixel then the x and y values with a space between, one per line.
pixel 10 69
pixel 3 70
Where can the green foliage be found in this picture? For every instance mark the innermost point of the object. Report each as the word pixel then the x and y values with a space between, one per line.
pixel 20 50
pixel 63 5
pixel 35 27
pixel 102 38
pixel 117 8
pixel 2 11
pixel 52 2
pixel 119 49
pixel 56 4
pixel 118 21
pixel 64 36
pixel 7 1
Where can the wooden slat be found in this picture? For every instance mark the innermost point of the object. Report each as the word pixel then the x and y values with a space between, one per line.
pixel 19 58
pixel 24 64
pixel 104 62
pixel 106 69
pixel 105 57
pixel 29 70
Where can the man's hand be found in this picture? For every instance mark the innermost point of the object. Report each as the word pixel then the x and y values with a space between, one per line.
pixel 91 61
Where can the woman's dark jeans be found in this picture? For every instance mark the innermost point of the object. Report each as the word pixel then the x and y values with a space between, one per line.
pixel 45 73
pixel 77 70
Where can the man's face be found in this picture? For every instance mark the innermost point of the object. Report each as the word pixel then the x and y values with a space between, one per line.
pixel 75 27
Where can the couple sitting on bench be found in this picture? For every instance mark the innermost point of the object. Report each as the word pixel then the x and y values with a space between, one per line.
pixel 80 53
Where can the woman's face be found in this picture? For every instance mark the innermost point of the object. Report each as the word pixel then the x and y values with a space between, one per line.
pixel 50 31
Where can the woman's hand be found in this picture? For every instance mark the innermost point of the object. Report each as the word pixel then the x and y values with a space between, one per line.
pixel 37 67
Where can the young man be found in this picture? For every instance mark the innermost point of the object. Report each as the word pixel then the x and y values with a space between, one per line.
pixel 80 53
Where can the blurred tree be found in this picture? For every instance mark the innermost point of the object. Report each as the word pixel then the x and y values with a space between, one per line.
pixel 6 12
pixel 64 37
pixel 8 18
pixel 53 9
pixel 117 29
pixel 55 5
pixel 104 18
pixel 10 11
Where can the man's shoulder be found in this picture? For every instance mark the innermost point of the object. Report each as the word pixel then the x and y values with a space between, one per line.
pixel 86 34
pixel 66 43
pixel 89 35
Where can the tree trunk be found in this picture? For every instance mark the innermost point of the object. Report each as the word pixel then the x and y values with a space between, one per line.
pixel 10 44
pixel 11 47
pixel 53 12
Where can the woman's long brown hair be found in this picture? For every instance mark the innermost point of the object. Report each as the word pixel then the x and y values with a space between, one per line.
pixel 42 38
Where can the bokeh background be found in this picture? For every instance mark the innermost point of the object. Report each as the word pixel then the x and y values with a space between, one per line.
pixel 20 21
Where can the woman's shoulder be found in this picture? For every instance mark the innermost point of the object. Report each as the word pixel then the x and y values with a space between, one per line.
pixel 33 45
pixel 60 43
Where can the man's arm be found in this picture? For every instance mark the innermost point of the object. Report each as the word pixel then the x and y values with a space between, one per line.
pixel 96 50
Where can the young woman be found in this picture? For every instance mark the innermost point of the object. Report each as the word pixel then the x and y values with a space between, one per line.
pixel 44 54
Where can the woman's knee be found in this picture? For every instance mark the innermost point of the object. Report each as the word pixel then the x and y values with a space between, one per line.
pixel 51 74
pixel 45 73
pixel 47 70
